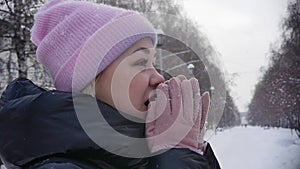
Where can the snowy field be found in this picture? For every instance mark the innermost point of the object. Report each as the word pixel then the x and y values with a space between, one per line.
pixel 256 148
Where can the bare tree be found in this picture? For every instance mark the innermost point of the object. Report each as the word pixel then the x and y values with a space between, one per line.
pixel 276 100
pixel 17 51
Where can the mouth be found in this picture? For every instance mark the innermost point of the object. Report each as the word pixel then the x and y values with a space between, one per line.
pixel 151 98
pixel 147 103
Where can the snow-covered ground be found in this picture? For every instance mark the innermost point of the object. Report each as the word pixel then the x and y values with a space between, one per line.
pixel 257 148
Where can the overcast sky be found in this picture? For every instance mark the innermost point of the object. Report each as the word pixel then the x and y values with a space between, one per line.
pixel 241 31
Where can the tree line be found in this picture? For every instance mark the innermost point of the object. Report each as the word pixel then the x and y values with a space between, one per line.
pixel 276 100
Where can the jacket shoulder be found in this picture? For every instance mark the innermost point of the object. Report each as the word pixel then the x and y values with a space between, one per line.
pixel 54 165
pixel 60 163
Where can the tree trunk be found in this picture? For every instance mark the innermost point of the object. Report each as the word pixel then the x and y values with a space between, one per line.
pixel 19 38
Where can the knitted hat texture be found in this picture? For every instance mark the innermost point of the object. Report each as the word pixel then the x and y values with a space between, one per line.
pixel 77 40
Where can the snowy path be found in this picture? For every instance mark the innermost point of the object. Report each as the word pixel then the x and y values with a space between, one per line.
pixel 257 148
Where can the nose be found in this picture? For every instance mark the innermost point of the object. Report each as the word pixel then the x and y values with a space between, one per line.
pixel 155 78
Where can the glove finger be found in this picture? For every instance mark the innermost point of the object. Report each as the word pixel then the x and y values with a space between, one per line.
pixel 181 77
pixel 205 108
pixel 201 136
pixel 151 112
pixel 175 96
pixel 187 100
pixel 151 119
pixel 165 118
pixel 197 101
pixel 162 93
pixel 178 78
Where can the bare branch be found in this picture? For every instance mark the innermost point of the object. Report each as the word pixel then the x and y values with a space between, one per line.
pixel 6 36
pixel 4 11
pixel 9 8
pixel 5 50
pixel 183 64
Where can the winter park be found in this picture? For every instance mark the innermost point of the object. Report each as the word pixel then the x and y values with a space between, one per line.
pixel 102 84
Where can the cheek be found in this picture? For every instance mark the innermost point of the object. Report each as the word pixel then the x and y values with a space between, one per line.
pixel 137 90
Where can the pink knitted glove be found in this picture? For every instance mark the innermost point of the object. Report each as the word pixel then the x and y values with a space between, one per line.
pixel 176 118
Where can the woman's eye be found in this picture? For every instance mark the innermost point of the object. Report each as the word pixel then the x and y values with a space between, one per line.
pixel 142 62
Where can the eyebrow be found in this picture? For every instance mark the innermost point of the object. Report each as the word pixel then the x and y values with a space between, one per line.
pixel 143 49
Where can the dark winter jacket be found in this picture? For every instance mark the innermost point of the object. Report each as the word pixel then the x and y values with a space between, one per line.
pixel 39 129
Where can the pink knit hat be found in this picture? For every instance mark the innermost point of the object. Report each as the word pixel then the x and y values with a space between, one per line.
pixel 78 40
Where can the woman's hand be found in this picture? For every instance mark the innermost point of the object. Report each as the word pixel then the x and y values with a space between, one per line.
pixel 177 115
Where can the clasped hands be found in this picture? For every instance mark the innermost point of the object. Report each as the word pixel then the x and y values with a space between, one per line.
pixel 176 115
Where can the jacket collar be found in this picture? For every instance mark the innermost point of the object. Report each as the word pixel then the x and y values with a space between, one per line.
pixel 35 122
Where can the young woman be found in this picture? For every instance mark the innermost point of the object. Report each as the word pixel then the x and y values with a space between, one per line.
pixel 104 54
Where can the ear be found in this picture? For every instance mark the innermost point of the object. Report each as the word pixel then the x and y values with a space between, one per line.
pixel 205 103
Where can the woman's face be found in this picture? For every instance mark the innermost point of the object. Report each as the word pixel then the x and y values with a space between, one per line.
pixel 127 82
